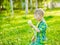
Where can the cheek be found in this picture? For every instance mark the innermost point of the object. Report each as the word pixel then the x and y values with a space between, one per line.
pixel 40 18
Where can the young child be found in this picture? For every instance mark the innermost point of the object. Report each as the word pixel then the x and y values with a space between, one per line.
pixel 40 35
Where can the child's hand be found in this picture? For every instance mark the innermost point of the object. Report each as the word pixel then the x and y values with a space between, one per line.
pixel 30 23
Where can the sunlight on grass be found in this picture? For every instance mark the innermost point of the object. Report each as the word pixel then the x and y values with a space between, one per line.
pixel 16 31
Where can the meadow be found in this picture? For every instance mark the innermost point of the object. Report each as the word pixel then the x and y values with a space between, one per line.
pixel 16 31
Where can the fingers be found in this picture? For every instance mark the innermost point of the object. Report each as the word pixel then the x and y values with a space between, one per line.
pixel 29 22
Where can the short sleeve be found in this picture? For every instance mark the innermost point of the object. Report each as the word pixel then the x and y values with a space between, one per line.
pixel 42 26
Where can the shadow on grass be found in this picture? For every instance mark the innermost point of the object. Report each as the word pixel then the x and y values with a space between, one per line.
pixel 48 17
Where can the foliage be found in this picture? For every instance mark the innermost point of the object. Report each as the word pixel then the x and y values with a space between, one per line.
pixel 1 1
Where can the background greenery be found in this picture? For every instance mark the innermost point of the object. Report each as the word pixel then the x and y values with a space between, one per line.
pixel 14 30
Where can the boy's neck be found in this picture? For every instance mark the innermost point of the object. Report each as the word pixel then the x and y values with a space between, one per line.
pixel 40 20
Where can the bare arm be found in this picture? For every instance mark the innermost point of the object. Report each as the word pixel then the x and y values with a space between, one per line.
pixel 33 38
pixel 36 29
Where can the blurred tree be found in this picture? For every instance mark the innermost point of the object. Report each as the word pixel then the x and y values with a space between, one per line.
pixel 23 4
pixel 11 6
pixel 26 8
pixel 1 4
pixel 50 4
pixel 45 4
pixel 16 4
pixel 31 5
pixel 56 0
pixel 40 3
pixel 36 4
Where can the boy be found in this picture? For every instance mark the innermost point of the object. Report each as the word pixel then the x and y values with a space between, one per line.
pixel 40 35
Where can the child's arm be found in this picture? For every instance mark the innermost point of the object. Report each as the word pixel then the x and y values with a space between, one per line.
pixel 33 38
pixel 36 29
pixel 30 23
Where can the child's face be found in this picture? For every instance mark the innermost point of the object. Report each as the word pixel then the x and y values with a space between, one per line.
pixel 38 17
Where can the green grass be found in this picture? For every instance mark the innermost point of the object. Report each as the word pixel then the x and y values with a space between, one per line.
pixel 16 31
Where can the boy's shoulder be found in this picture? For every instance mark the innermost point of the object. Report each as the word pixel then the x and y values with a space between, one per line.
pixel 43 21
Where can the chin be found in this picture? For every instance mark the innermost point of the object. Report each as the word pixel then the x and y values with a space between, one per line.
pixel 38 20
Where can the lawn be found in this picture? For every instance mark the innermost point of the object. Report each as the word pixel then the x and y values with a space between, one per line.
pixel 16 31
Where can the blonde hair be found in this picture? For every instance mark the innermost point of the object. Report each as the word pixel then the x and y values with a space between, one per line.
pixel 39 12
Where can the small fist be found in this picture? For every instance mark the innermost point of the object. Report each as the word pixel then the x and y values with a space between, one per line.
pixel 30 23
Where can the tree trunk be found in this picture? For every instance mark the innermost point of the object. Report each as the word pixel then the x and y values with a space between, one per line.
pixel 26 2
pixel 31 4
pixel 45 5
pixel 23 4
pixel 36 4
pixel 11 3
